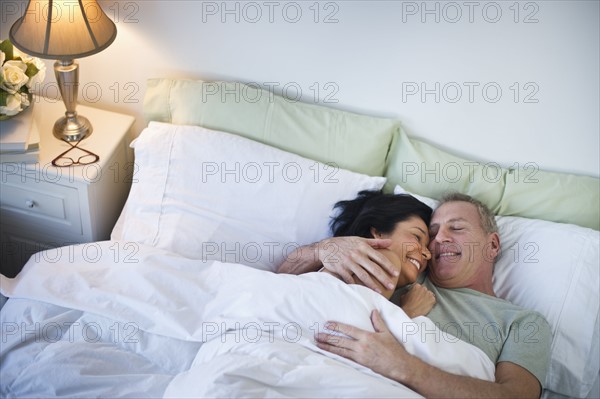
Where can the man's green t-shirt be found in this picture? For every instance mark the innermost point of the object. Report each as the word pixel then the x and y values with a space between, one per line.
pixel 503 331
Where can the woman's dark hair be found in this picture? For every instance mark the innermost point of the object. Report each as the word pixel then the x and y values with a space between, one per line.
pixel 374 209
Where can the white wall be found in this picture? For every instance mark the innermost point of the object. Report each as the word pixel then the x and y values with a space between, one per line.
pixel 399 59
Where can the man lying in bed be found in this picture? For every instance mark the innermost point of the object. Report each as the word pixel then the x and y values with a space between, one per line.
pixel 464 245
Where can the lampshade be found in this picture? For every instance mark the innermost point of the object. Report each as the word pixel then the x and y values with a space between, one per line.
pixel 63 29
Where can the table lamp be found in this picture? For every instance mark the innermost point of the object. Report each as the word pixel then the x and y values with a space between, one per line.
pixel 64 30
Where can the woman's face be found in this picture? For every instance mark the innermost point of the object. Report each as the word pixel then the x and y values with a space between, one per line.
pixel 410 239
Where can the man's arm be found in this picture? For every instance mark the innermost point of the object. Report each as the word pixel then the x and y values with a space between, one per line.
pixel 301 260
pixel 382 353
pixel 351 258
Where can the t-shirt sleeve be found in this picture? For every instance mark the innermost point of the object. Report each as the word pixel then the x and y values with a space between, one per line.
pixel 528 345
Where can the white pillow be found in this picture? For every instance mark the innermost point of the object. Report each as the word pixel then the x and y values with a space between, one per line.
pixel 212 195
pixel 553 268
pixel 430 202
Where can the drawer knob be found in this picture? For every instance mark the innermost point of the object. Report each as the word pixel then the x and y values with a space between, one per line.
pixel 30 204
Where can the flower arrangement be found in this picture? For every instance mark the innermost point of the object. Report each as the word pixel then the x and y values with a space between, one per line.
pixel 19 74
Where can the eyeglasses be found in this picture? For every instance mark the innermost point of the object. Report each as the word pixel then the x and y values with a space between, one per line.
pixel 63 161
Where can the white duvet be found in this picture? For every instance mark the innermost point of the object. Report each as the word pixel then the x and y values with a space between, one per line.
pixel 157 324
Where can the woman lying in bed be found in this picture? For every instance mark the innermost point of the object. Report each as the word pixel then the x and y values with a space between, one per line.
pixel 402 219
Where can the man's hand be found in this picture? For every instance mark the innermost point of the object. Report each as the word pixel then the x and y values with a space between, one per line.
pixel 380 350
pixel 384 354
pixel 355 259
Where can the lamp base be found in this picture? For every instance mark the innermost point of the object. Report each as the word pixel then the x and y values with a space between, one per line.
pixel 72 128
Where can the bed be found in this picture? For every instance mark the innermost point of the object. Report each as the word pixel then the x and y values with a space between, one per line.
pixel 182 300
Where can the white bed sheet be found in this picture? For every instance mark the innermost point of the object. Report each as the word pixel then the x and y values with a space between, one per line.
pixel 61 352
pixel 159 324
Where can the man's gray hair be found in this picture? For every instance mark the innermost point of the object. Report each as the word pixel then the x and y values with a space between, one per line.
pixel 486 216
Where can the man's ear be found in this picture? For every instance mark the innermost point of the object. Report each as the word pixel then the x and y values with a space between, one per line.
pixel 494 244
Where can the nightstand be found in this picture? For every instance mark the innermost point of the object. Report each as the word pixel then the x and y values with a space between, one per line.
pixel 43 207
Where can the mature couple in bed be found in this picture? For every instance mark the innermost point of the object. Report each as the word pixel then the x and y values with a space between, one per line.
pixel 385 241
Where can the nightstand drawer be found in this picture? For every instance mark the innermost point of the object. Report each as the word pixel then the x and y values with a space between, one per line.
pixel 43 205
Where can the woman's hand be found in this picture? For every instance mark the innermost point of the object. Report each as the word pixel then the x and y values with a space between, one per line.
pixel 418 301
pixel 355 259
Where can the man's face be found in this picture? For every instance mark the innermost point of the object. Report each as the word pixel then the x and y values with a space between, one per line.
pixel 460 249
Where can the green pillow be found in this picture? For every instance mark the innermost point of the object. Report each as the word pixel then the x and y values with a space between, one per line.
pixel 356 142
pixel 558 197
pixel 426 170
pixel 360 143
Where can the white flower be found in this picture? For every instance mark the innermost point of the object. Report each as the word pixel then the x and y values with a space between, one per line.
pixel 24 101
pixel 15 84
pixel 39 77
pixel 16 64
pixel 13 105
pixel 25 57
pixel 12 76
